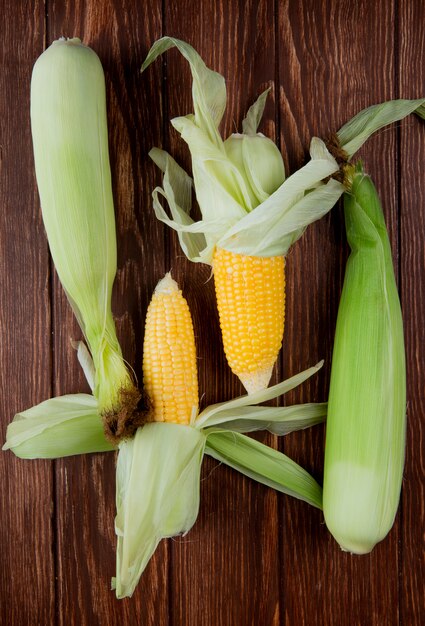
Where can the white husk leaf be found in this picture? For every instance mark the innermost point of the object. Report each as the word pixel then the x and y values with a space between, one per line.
pixel 263 464
pixel 86 362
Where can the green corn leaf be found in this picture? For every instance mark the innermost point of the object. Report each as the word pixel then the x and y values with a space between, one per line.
pixel 58 427
pixel 362 126
pixel 263 464
pixel 277 420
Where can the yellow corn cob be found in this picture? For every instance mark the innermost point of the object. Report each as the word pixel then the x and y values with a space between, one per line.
pixel 169 356
pixel 250 294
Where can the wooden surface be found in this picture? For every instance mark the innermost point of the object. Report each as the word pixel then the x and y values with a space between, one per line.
pixel 253 557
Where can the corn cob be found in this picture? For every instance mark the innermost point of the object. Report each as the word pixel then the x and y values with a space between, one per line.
pixel 169 356
pixel 251 304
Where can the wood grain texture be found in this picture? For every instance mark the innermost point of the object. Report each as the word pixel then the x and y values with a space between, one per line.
pixel 253 557
pixel 27 593
pixel 412 256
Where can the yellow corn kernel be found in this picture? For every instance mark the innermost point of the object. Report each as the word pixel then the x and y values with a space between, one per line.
pixel 250 295
pixel 169 356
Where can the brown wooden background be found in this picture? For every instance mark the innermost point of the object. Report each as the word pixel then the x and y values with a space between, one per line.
pixel 253 557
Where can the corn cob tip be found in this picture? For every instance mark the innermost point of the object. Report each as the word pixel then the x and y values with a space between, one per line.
pixel 169 356
pixel 167 285
pixel 256 381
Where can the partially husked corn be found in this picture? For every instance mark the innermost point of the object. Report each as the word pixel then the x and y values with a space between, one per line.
pixel 250 295
pixel 169 356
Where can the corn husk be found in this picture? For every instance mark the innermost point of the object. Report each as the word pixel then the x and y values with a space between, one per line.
pixel 157 494
pixel 69 129
pixel 158 486
pixel 58 427
pixel 357 131
pixel 365 434
pixel 247 205
pixel 264 464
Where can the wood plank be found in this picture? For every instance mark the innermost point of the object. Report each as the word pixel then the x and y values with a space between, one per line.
pixel 412 198
pixel 327 74
pixel 117 31
pixel 26 557
pixel 252 557
pixel 226 571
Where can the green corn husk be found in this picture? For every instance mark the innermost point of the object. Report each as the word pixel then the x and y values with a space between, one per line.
pixel 365 434
pixel 69 129
pixel 56 428
pixel 357 131
pixel 157 494
pixel 264 464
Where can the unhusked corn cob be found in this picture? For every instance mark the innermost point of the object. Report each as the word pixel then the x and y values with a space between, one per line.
pixel 250 294
pixel 169 356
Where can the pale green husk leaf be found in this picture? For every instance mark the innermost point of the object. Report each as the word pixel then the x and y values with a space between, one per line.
pixel 157 494
pixel 58 427
pixel 420 111
pixel 221 189
pixel 272 227
pixel 211 414
pixel 70 139
pixel 208 88
pixel 254 114
pixel 260 162
pixel 277 420
pixel 365 435
pixel 240 184
pixel 177 190
pixel 263 464
pixel 358 130
pixel 281 220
